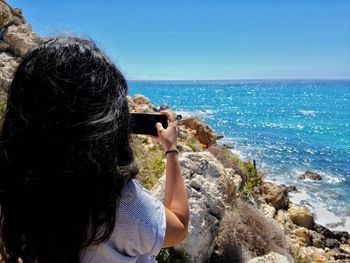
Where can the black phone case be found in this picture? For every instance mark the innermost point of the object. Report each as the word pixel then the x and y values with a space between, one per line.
pixel 145 123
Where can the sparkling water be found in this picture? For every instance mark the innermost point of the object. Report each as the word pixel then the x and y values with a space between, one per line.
pixel 288 127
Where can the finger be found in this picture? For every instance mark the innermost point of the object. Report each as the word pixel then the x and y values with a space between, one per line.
pixel 159 128
pixel 169 115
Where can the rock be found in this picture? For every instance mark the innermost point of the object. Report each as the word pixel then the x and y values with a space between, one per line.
pixel 301 237
pixel 202 174
pixel 339 255
pixel 140 99
pixel 21 39
pixel 204 134
pixel 230 183
pixel 272 257
pixel 332 243
pixel 145 108
pixel 164 106
pixel 312 254
pixel 324 231
pixel 311 176
pixel 275 195
pixel 5 15
pixel 182 132
pixel 8 65
pixel 291 188
pixel 3 96
pixel 281 217
pixel 267 210
pixel 131 103
pixel 300 216
pixel 341 236
pixel 318 240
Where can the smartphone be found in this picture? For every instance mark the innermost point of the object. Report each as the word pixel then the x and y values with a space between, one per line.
pixel 145 123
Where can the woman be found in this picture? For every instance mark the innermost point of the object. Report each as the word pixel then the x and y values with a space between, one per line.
pixel 67 170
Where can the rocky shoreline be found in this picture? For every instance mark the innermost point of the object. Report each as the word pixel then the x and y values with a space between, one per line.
pixel 235 215
pixel 216 187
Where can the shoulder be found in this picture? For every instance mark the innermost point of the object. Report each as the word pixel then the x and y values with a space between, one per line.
pixel 140 221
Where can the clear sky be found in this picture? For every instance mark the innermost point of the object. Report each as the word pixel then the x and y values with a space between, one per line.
pixel 207 39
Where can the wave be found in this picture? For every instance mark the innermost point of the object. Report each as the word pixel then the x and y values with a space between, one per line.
pixel 323 215
pixel 311 113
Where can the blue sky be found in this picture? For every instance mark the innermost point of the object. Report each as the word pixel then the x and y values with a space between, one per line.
pixel 202 39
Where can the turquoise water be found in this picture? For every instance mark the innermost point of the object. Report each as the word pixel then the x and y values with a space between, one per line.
pixel 288 127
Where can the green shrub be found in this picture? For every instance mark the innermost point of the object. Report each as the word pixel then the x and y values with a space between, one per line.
pixel 171 255
pixel 2 111
pixel 2 107
pixel 226 158
pixel 193 144
pixel 150 160
pixel 254 178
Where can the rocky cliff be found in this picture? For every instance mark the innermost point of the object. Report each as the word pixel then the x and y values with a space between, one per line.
pixel 16 38
pixel 235 215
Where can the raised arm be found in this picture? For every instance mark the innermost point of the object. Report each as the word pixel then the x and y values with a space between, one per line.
pixel 175 197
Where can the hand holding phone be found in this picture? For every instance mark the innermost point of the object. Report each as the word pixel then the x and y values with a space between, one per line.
pixel 145 123
pixel 168 136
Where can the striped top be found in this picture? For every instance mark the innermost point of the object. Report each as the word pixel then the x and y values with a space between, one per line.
pixel 138 233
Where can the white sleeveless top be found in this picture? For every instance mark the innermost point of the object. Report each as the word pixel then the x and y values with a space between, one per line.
pixel 138 233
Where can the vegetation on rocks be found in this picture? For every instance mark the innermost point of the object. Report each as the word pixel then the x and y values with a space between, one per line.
pixel 150 159
pixel 2 110
pixel 245 233
pixel 170 255
pixel 251 176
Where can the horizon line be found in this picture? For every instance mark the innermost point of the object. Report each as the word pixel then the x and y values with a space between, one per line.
pixel 245 79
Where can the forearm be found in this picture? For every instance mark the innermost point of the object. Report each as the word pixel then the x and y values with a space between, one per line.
pixel 175 197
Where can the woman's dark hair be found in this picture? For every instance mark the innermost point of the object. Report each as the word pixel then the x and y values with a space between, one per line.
pixel 64 152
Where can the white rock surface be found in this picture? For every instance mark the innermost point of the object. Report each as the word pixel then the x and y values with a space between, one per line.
pixel 5 14
pixel 202 173
pixel 21 39
pixel 8 65
pixel 272 257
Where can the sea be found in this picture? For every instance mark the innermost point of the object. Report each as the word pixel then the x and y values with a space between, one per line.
pixel 287 126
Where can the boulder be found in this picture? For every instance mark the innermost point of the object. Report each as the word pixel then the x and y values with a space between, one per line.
pixel 5 14
pixel 140 99
pixel 301 216
pixel 8 65
pixel 281 217
pixel 131 103
pixel 300 237
pixel 164 106
pixel 342 236
pixel 275 195
pixel 202 173
pixel 21 39
pixel 318 240
pixel 323 231
pixel 272 257
pixel 311 176
pixel 332 243
pixel 204 134
pixel 143 108
pixel 267 210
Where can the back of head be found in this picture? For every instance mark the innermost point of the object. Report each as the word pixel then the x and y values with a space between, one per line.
pixel 64 152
